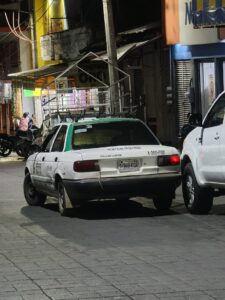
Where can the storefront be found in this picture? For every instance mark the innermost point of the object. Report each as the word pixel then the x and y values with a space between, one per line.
pixel 6 106
pixel 197 56
pixel 206 64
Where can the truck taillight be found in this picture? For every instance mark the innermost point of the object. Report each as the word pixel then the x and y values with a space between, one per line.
pixel 168 160
pixel 86 166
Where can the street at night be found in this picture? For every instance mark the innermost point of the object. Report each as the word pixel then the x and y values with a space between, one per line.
pixel 112 140
pixel 106 250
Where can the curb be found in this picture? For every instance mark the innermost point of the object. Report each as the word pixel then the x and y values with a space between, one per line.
pixel 11 159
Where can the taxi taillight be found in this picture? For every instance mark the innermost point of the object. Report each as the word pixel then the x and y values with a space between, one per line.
pixel 86 166
pixel 168 160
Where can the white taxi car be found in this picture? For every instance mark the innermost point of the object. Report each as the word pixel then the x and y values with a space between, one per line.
pixel 203 160
pixel 102 158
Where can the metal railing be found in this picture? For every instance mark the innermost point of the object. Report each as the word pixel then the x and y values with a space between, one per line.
pixel 90 100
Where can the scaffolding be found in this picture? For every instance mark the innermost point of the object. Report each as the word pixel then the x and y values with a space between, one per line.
pixel 65 96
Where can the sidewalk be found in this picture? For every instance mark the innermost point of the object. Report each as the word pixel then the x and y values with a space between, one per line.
pixel 12 157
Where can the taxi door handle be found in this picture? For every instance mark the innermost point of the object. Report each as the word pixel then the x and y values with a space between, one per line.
pixel 56 159
pixel 43 158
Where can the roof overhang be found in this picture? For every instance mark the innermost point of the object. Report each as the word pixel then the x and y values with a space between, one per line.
pixel 124 50
pixel 151 26
pixel 49 70
pixel 55 70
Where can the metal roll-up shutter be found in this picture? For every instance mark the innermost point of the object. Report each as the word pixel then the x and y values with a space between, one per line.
pixel 183 77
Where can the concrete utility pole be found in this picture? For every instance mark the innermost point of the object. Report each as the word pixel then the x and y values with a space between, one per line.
pixel 33 35
pixel 112 54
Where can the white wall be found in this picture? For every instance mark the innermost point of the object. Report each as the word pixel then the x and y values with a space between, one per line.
pixel 28 105
pixel 25 55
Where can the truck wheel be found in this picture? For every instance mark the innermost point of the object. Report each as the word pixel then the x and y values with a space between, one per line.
pixel 197 200
pixel 32 197
pixel 63 210
pixel 163 201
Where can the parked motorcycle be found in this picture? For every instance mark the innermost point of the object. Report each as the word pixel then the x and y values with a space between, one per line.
pixel 20 143
pixel 194 120
pixel 5 146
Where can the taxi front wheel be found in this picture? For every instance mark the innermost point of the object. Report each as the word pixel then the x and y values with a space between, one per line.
pixel 163 201
pixel 33 197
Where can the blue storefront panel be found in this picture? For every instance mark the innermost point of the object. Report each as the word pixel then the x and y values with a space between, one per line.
pixel 181 52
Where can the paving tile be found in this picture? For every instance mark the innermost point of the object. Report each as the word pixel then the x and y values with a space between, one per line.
pixel 217 294
pixel 25 286
pixel 58 294
pixel 198 295
pixel 144 297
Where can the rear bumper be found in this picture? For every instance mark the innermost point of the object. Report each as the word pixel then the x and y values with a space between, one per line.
pixel 89 189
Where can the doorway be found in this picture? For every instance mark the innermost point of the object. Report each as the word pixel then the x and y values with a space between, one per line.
pixel 207 85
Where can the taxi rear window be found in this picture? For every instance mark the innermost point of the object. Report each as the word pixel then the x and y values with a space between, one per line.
pixel 112 134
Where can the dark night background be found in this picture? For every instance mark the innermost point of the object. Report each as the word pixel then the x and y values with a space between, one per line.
pixel 127 14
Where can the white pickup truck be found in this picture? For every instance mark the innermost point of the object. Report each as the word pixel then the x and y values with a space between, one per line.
pixel 203 159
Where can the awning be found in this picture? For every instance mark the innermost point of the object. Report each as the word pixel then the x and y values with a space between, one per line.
pixel 141 29
pixel 123 50
pixel 57 69
pixel 50 70
pixel 208 13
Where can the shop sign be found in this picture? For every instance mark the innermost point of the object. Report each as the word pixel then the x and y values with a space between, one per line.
pixel 188 34
pixel 62 84
pixel 179 25
pixel 7 91
pixel 46 47
pixel 208 13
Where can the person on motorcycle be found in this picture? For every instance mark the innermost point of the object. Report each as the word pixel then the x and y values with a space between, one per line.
pixel 23 125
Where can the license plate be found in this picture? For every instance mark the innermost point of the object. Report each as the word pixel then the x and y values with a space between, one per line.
pixel 128 165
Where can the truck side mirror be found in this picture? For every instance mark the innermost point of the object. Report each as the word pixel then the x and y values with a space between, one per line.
pixel 195 119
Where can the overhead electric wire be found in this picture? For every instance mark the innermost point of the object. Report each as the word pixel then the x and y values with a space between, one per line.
pixel 90 7
pixel 12 29
pixel 23 37
pixel 22 34
pixel 36 21
pixel 5 37
pixel 41 6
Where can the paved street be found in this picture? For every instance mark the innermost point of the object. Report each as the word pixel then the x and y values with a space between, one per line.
pixel 106 250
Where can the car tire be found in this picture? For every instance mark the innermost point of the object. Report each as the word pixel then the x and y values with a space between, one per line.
pixel 163 201
pixel 63 210
pixel 198 200
pixel 32 197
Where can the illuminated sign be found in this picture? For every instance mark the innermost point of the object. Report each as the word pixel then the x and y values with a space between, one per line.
pixel 179 26
pixel 208 13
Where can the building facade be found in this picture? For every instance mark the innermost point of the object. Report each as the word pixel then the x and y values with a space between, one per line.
pixel 65 31
pixel 197 54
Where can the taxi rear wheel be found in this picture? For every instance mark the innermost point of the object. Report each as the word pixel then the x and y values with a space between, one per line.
pixel 32 196
pixel 163 201
pixel 63 210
